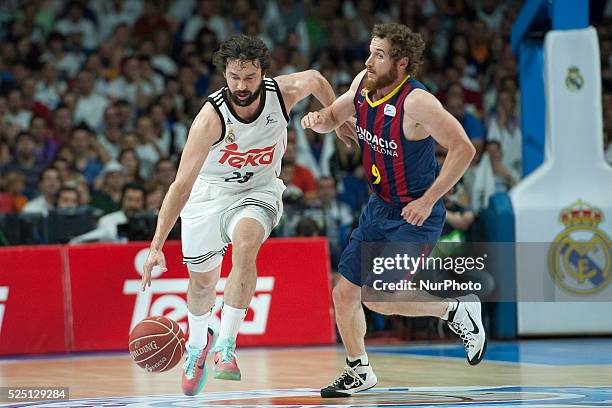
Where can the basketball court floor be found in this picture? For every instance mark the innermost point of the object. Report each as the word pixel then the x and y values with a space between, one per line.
pixel 530 373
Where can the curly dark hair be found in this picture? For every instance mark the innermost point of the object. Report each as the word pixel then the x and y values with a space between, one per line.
pixel 404 43
pixel 242 48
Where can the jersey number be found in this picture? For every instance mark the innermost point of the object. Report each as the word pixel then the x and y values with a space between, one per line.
pixel 239 177
pixel 375 174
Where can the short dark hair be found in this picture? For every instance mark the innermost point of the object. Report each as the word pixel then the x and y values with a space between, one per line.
pixel 23 134
pixel 133 186
pixel 404 43
pixel 67 188
pixel 44 171
pixel 242 48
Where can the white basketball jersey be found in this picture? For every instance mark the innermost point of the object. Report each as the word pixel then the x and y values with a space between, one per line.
pixel 248 153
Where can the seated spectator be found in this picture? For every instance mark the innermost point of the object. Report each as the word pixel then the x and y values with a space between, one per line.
pixel 173 134
pixel 110 135
pixel 130 86
pixel 61 131
pixel 75 24
pixel 302 177
pixel 163 175
pixel 90 105
pixel 334 218
pixel 67 63
pixel 47 147
pixel 133 200
pixel 471 124
pixel 155 197
pixel 89 154
pixel 49 184
pixel 504 127
pixel 50 88
pixel 25 162
pixel 490 176
pixel 108 196
pixel 505 178
pixel 67 199
pixel 17 113
pixel 128 158
pixel 13 200
pixel 149 149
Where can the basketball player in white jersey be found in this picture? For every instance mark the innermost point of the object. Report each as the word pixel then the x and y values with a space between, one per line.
pixel 227 190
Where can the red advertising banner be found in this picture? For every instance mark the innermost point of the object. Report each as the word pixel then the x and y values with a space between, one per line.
pixel 291 305
pixel 32 310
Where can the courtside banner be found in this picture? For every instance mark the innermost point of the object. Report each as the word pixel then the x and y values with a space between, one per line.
pixel 291 305
pixel 32 294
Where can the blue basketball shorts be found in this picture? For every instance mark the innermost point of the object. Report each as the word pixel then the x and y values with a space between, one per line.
pixel 381 224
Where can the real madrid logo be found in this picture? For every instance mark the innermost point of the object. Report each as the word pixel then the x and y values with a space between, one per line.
pixel 580 258
pixel 230 137
pixel 574 79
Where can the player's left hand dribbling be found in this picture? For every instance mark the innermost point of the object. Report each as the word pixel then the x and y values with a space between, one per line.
pixel 417 211
pixel 155 258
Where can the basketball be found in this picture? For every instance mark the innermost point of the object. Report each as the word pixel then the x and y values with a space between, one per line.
pixel 157 344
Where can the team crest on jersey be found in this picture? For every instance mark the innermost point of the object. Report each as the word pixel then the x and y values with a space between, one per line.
pixel 390 110
pixel 230 137
pixel 580 258
pixel 253 157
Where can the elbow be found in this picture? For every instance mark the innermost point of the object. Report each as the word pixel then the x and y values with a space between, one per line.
pixel 317 76
pixel 469 150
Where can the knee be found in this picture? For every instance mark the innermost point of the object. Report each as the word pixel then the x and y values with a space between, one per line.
pixel 203 282
pixel 244 251
pixel 345 294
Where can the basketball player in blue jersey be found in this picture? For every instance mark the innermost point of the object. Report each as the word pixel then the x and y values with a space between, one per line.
pixel 398 124
pixel 226 190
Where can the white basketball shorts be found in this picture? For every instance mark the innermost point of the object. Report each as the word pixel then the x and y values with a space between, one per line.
pixel 212 212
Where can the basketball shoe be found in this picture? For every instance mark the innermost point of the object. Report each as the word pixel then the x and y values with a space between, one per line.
pixel 194 369
pixel 354 378
pixel 466 321
pixel 224 357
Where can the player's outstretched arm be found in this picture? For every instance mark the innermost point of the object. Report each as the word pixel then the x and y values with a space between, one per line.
pixel 205 130
pixel 297 86
pixel 331 117
pixel 300 85
pixel 423 108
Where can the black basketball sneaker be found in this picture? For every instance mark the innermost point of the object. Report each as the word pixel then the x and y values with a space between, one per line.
pixel 354 378
pixel 466 321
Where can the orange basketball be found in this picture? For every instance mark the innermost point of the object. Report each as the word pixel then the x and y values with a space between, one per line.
pixel 157 344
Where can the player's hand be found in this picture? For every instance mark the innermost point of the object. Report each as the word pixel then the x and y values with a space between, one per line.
pixel 312 120
pixel 155 258
pixel 347 133
pixel 417 211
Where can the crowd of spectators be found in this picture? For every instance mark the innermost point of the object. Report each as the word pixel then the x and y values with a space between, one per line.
pixel 96 99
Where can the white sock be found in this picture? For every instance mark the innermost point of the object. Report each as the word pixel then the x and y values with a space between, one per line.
pixel 198 329
pixel 452 306
pixel 231 319
pixel 363 358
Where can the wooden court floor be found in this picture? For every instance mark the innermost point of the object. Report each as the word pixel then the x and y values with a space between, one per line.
pixel 405 379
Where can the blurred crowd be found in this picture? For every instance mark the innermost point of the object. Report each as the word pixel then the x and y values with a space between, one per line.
pixel 96 99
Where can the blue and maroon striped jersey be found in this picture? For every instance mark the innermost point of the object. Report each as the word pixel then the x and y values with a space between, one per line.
pixel 398 170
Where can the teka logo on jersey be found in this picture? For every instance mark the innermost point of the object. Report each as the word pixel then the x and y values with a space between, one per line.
pixel 253 157
pixel 3 298
pixel 378 144
pixel 167 297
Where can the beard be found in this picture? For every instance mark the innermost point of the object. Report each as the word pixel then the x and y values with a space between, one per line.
pixel 250 96
pixel 382 80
